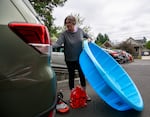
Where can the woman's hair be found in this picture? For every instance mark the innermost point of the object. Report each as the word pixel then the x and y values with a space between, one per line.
pixel 71 18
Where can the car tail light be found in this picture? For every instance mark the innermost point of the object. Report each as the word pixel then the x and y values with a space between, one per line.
pixel 36 35
pixel 52 113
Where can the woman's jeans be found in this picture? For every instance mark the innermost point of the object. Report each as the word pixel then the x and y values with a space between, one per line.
pixel 72 66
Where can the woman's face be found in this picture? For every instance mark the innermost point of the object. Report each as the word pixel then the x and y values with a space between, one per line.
pixel 69 25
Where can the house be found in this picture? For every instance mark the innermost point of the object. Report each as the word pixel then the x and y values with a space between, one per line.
pixel 107 44
pixel 138 45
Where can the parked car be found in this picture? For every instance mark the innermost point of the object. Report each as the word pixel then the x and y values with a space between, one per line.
pixel 59 62
pixel 115 55
pixel 58 59
pixel 145 53
pixel 27 81
pixel 127 57
pixel 130 57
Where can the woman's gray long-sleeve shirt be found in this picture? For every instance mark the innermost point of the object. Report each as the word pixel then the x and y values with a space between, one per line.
pixel 72 44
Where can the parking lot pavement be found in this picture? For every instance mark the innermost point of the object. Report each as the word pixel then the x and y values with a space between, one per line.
pixel 139 71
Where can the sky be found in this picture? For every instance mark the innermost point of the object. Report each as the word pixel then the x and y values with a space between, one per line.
pixel 119 19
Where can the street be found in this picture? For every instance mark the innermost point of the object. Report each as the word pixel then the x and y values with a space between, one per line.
pixel 139 70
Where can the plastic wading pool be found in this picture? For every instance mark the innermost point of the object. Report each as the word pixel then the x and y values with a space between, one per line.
pixel 109 80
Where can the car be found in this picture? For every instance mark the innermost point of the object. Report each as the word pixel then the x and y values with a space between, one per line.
pixel 127 57
pixel 114 54
pixel 59 65
pixel 146 53
pixel 27 81
pixel 58 59
pixel 130 57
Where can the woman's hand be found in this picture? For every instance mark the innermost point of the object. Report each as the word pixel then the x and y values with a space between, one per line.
pixel 89 39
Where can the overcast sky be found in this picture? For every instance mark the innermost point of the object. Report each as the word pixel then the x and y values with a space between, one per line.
pixel 119 19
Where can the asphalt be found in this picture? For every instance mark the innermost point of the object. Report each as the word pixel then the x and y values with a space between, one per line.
pixel 139 71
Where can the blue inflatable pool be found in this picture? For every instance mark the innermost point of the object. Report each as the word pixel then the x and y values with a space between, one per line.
pixel 109 80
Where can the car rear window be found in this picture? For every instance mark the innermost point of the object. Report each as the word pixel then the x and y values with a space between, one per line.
pixel 28 4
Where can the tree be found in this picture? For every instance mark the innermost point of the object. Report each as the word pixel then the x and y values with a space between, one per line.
pixel 148 45
pixel 106 37
pixel 79 19
pixel 128 47
pixel 44 8
pixel 101 39
pixel 80 22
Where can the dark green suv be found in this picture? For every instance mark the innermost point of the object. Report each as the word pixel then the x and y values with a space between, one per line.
pixel 27 81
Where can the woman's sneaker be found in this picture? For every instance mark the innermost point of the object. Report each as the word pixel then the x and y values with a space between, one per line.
pixel 88 98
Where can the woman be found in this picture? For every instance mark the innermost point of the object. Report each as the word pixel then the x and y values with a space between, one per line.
pixel 72 39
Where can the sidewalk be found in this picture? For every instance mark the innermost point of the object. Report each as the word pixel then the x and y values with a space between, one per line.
pixel 145 57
